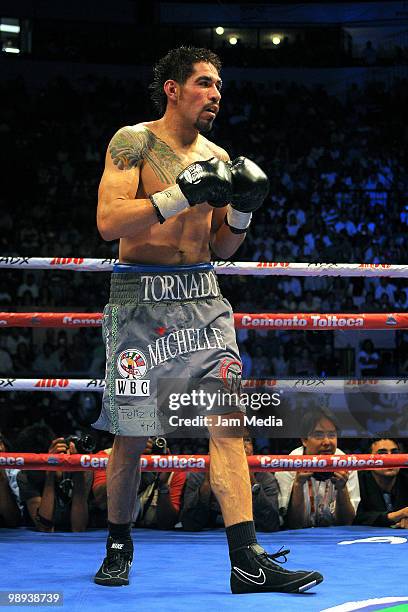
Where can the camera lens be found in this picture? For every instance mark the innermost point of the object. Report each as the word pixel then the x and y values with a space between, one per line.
pixel 322 475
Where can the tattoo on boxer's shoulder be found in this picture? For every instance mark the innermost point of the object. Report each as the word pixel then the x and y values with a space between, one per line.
pixel 129 146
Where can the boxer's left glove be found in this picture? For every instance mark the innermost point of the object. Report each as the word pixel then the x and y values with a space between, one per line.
pixel 203 181
pixel 250 186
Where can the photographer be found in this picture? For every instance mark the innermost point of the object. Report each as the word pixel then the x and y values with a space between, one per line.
pixel 159 495
pixel 53 500
pixel 202 510
pixel 318 499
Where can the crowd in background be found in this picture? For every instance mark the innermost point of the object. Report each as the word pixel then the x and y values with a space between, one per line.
pixel 338 194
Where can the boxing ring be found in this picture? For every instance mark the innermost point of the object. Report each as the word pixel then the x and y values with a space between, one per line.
pixel 180 572
pixel 364 567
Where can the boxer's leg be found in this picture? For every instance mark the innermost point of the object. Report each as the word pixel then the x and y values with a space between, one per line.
pixel 229 477
pixel 123 479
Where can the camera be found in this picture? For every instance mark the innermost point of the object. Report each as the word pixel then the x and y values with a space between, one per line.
pixel 159 446
pixel 83 443
pixel 322 476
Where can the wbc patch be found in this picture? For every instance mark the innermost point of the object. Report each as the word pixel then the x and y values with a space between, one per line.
pixel 132 364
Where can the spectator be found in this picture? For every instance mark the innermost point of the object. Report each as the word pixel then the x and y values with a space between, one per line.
pixel 318 499
pixel 303 364
pixel 260 365
pixel 201 509
pixel 22 361
pixel 280 364
pixel 384 493
pixel 6 363
pixel 44 363
pixel 28 286
pixel 367 360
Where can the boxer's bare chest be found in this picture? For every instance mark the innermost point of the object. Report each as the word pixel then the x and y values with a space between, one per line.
pixel 163 160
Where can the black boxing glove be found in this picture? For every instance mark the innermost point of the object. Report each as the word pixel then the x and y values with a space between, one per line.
pixel 250 186
pixel 203 181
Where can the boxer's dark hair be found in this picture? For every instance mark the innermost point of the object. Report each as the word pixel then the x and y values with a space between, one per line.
pixel 178 66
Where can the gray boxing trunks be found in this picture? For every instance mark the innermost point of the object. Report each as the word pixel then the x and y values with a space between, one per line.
pixel 163 323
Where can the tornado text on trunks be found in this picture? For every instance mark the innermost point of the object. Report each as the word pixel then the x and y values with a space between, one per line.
pixel 171 287
pixel 183 341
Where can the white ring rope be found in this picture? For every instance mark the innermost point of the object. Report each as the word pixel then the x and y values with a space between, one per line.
pixel 309 385
pixel 256 268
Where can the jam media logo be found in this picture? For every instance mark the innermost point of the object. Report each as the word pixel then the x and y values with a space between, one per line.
pixel 132 364
pixel 369 605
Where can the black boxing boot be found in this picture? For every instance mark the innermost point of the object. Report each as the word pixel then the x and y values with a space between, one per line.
pixel 253 570
pixel 115 568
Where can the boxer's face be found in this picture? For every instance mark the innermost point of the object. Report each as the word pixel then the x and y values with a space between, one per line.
pixel 200 96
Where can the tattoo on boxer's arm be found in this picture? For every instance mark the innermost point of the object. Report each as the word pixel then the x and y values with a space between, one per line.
pixel 128 147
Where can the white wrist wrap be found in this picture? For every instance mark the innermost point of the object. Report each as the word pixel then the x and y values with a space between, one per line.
pixel 170 201
pixel 237 219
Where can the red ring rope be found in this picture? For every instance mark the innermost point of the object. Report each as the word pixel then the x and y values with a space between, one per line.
pixel 287 321
pixel 200 463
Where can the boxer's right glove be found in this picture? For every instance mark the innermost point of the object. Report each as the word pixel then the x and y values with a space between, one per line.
pixel 203 181
pixel 250 186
